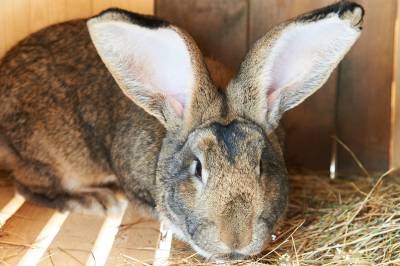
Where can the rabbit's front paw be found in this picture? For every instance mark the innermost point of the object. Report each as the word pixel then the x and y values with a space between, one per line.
pixel 97 201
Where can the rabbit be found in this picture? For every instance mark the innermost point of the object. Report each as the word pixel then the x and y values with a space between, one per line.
pixel 123 103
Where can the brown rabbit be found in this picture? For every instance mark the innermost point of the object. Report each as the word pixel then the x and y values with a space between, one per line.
pixel 142 114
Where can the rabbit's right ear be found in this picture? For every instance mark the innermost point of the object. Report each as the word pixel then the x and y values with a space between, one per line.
pixel 292 61
pixel 157 65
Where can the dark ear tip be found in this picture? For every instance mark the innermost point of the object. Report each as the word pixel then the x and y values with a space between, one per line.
pixel 348 10
pixel 118 14
pixel 350 6
pixel 353 12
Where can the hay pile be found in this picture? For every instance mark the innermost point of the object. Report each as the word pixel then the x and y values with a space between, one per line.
pixel 339 222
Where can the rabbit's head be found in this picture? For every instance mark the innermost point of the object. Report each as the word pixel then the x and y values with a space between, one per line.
pixel 221 177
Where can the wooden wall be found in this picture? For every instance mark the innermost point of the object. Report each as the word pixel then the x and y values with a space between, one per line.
pixel 395 133
pixel 18 18
pixel 356 104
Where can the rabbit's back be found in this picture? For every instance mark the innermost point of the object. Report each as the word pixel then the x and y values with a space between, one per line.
pixel 62 110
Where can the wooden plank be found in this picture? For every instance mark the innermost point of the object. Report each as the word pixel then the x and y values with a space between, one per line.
pixel 136 240
pixel 10 202
pixel 100 5
pixel 21 230
pixel 142 6
pixel 395 133
pixel 7 192
pixel 364 95
pixel 74 241
pixel 139 6
pixel 6 188
pixel 16 21
pixel 3 47
pixel 79 9
pixel 43 240
pixel 57 11
pixel 18 18
pixel 164 245
pixel 10 208
pixel 309 126
pixel 38 15
pixel 218 26
pixel 105 238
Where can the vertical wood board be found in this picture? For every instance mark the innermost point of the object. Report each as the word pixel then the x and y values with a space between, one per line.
pixel 19 18
pixel 364 97
pixel 219 27
pixel 395 105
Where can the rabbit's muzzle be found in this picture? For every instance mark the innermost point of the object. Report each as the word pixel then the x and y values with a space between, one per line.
pixel 236 231
pixel 236 224
pixel 231 238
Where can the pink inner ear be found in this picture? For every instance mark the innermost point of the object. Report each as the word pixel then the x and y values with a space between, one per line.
pixel 176 105
pixel 156 60
pixel 304 55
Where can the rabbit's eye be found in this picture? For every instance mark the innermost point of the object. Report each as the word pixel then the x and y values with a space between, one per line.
pixel 197 169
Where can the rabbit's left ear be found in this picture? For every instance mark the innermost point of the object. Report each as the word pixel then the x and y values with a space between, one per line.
pixel 157 65
pixel 292 61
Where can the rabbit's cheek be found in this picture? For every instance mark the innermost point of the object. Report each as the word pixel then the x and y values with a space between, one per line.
pixel 188 192
pixel 179 204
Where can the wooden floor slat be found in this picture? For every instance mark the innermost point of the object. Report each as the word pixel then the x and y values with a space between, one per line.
pixel 7 190
pixel 21 231
pixel 136 240
pixel 7 193
pixel 74 241
pixel 164 246
pixel 43 240
pixel 10 208
pixel 105 239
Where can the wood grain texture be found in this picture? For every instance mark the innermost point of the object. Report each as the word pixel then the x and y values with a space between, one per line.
pixel 21 230
pixel 395 133
pixel 78 9
pixel 3 30
pixel 309 126
pixel 218 26
pixel 364 97
pixel 136 240
pixel 7 193
pixel 18 18
pixel 7 190
pixel 16 21
pixel 74 241
pixel 139 6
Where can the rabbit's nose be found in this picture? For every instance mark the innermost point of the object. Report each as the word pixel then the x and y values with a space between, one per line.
pixel 237 238
pixel 236 224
